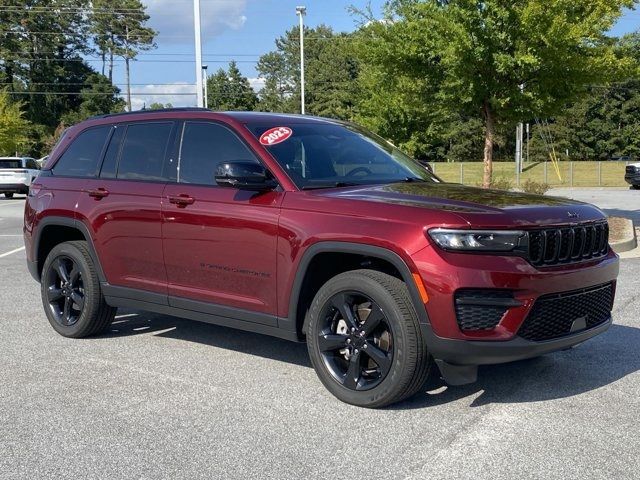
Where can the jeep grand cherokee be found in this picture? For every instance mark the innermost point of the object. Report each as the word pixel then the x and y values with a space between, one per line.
pixel 312 230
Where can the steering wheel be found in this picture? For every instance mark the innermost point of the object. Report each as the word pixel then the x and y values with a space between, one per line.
pixel 358 170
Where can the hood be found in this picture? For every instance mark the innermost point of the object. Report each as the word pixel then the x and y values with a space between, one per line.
pixel 477 207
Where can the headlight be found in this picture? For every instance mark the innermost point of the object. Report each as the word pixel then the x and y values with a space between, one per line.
pixel 477 240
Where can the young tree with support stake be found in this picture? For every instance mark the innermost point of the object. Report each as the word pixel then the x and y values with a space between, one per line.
pixel 473 57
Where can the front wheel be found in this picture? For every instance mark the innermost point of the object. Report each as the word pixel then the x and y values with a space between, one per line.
pixel 71 293
pixel 364 339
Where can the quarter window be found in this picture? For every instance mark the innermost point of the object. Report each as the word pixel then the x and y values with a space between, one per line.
pixel 144 151
pixel 82 157
pixel 204 146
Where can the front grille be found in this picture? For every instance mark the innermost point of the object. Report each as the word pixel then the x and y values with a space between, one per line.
pixel 631 169
pixel 553 316
pixel 572 244
pixel 478 309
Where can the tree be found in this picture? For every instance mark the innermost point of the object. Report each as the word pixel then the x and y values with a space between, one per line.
pixel 12 126
pixel 159 106
pixel 230 90
pixel 98 97
pixel 332 69
pixel 495 60
pixel 119 29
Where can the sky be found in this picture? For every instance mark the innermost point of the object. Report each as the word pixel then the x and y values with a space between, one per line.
pixel 240 30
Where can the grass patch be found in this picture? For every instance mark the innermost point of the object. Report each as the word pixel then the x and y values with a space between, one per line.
pixel 572 174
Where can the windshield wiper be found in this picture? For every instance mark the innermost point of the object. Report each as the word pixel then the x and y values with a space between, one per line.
pixel 411 180
pixel 331 185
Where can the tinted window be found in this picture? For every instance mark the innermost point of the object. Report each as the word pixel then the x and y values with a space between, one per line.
pixel 204 146
pixel 82 157
pixel 110 163
pixel 10 164
pixel 143 151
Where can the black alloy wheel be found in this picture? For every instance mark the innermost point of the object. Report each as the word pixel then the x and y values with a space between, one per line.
pixel 71 292
pixel 356 341
pixel 65 291
pixel 365 340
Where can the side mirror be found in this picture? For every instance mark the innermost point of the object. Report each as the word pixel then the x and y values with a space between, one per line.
pixel 244 176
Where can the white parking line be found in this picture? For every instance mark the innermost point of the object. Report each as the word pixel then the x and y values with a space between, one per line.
pixel 11 252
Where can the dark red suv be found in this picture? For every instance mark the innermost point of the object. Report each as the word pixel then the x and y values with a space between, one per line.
pixel 312 229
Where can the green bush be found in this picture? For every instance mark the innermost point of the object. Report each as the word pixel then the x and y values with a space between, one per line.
pixel 501 184
pixel 531 186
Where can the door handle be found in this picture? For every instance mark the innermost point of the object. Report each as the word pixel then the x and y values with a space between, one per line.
pixel 98 193
pixel 181 200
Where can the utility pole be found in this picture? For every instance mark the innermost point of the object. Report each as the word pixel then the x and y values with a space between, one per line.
pixel 519 130
pixel 527 143
pixel 204 80
pixel 301 11
pixel 198 40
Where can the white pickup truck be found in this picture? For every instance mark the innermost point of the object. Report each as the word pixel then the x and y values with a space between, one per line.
pixel 16 174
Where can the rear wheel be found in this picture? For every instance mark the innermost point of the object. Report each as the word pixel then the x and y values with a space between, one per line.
pixel 71 293
pixel 364 339
pixel 8 195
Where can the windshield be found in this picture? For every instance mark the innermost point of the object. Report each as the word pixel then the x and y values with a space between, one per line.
pixel 332 155
pixel 4 163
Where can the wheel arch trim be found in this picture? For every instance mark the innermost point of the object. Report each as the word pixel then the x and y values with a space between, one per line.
pixel 359 249
pixel 70 223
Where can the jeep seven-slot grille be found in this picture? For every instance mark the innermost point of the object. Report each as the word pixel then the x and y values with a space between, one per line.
pixel 555 246
pixel 561 314
pixel 632 169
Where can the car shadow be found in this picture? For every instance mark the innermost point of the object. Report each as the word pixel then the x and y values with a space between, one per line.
pixel 129 322
pixel 595 364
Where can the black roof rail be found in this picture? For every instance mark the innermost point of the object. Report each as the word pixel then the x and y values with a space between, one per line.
pixel 159 110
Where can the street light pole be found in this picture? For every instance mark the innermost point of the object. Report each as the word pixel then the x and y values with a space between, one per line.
pixel 198 40
pixel 204 80
pixel 301 12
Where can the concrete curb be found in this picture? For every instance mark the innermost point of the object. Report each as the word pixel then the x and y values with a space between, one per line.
pixel 629 242
pixel 635 253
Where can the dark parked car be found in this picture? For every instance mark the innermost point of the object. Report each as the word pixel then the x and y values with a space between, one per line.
pixel 632 175
pixel 312 230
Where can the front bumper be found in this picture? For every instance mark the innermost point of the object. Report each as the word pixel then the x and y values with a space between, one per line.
pixel 467 352
pixel 458 353
pixel 458 360
pixel 445 273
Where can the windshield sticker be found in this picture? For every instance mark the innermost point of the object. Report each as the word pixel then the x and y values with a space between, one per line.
pixel 275 135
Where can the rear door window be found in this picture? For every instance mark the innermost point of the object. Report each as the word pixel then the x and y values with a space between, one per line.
pixel 82 157
pixel 144 151
pixel 110 162
pixel 204 146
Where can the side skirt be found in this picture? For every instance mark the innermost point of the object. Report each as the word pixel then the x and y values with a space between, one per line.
pixel 193 310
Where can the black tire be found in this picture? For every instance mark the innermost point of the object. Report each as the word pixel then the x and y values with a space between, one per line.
pixel 635 187
pixel 76 307
pixel 8 195
pixel 406 364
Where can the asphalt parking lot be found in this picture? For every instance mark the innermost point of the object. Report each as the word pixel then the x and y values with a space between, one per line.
pixel 161 397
